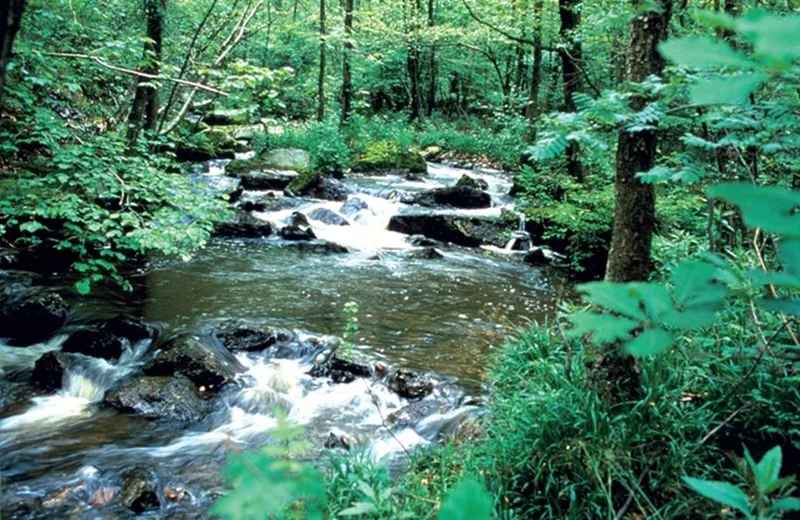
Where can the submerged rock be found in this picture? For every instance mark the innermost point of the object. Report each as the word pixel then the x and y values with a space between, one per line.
pixel 462 230
pixel 317 186
pixel 337 440
pixel 422 241
pixel 341 370
pixel 413 413
pixel 95 342
pixel 238 335
pixel 266 203
pixel 321 247
pixel 352 206
pixel 49 370
pixel 158 397
pixel 327 216
pixel 16 282
pixel 138 492
pixel 244 225
pixel 208 364
pixel 132 329
pixel 31 317
pixel 426 253
pixel 410 385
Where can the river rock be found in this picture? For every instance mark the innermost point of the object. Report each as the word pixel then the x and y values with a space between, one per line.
pixel 297 228
pixel 337 440
pixel 341 370
pixel 410 385
pixel 352 206
pixel 244 225
pixel 422 241
pixel 132 329
pixel 413 413
pixel 288 159
pixel 49 370
pixel 472 182
pixel 542 256
pixel 158 397
pixel 321 247
pixel 266 179
pixel 207 363
pixel 31 317
pixel 317 187
pixel 220 185
pixel 16 282
pixel 241 336
pixel 464 197
pixel 426 253
pixel 229 117
pixel 327 216
pixel 138 493
pixel 95 342
pixel 462 230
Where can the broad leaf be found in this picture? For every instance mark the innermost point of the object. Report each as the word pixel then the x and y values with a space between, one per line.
pixel 468 501
pixel 768 468
pixel 359 508
pixel 604 328
pixel 649 342
pixel 771 208
pixel 700 51
pixel 784 305
pixel 721 492
pixel 787 504
pixel 725 90
pixel 621 298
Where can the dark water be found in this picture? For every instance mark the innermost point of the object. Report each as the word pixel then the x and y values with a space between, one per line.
pixel 439 316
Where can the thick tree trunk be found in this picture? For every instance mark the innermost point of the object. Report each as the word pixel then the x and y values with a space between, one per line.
pixel 571 55
pixel 413 63
pixel 144 113
pixel 347 75
pixel 10 19
pixel 532 110
pixel 323 47
pixel 430 104
pixel 616 374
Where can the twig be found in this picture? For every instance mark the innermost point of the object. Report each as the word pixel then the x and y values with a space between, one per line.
pixel 772 289
pixel 383 420
pixel 723 423
pixel 100 61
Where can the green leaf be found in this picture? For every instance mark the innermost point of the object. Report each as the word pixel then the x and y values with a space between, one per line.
pixel 621 298
pixel 789 255
pixel 700 51
pixel 359 508
pixel 649 342
pixel 694 282
pixel 84 286
pixel 468 501
pixel 768 468
pixel 725 90
pixel 721 492
pixel 768 207
pixel 604 328
pixel 784 305
pixel 787 504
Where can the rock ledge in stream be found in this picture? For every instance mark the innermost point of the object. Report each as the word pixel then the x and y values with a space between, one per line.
pixel 410 385
pixel 208 364
pixel 298 228
pixel 32 317
pixel 341 370
pixel 238 335
pixel 95 342
pixel 462 230
pixel 49 370
pixel 158 397
pixel 464 197
pixel 265 179
pixel 317 187
pixel 426 253
pixel 244 225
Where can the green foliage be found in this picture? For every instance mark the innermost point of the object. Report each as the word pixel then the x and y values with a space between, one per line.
pixel 351 328
pixel 388 156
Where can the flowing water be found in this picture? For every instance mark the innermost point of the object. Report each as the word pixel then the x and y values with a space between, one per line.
pixel 436 316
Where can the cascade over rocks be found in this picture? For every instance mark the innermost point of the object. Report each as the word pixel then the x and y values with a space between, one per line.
pixel 205 361
pixel 132 329
pixel 267 202
pixel 327 216
pixel 472 182
pixel 49 370
pixel 241 336
pixel 158 397
pixel 462 230
pixel 297 228
pixel 32 316
pixel 413 413
pixel 410 385
pixel 352 206
pixel 95 342
pixel 459 196
pixel 317 187
pixel 244 225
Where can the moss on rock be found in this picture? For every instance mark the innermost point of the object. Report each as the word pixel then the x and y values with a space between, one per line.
pixel 385 156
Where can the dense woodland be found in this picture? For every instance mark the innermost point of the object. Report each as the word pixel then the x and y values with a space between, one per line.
pixel 653 143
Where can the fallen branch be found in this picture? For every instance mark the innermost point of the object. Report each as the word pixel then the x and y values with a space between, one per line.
pixel 103 63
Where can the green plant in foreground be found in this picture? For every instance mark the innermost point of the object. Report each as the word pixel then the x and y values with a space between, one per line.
pixel 351 328
pixel 768 489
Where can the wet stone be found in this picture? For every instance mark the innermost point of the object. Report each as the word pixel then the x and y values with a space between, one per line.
pixel 158 397
pixel 95 342
pixel 241 336
pixel 138 493
pixel 410 385
pixel 426 253
pixel 49 370
pixel 327 216
pixel 31 317
pixel 341 370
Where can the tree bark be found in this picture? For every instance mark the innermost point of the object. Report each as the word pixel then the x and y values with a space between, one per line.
pixel 10 19
pixel 144 113
pixel 571 55
pixel 413 63
pixel 347 75
pixel 634 216
pixel 430 104
pixel 322 63
pixel 532 110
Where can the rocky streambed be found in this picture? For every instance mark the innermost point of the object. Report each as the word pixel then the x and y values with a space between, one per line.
pixel 118 406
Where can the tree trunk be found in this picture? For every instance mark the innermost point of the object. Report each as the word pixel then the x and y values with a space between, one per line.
pixel 571 55
pixel 413 63
pixel 144 113
pixel 634 216
pixel 322 63
pixel 347 76
pixel 532 110
pixel 430 104
pixel 10 18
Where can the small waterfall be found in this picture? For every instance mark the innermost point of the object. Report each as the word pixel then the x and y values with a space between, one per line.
pixel 520 239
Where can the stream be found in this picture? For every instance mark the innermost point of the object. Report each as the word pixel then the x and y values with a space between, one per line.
pixel 66 453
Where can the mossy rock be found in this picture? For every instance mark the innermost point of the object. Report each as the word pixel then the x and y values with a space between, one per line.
pixel 293 159
pixel 221 117
pixel 302 183
pixel 206 145
pixel 385 157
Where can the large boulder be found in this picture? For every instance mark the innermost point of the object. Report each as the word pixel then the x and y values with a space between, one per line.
pixel 95 342
pixel 138 492
pixel 241 336
pixel 472 182
pixel 425 253
pixel 464 197
pixel 387 157
pixel 49 370
pixel 267 202
pixel 267 179
pixel 410 385
pixel 32 316
pixel 158 397
pixel 327 216
pixel 297 228
pixel 462 230
pixel 244 225
pixel 205 146
pixel 288 159
pixel 352 206
pixel 208 364
pixel 316 186
pixel 341 370
pixel 132 329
